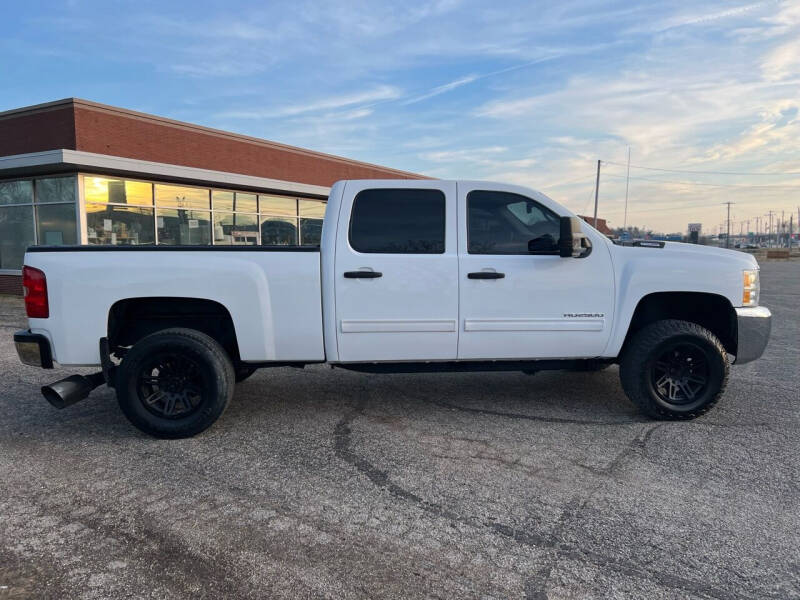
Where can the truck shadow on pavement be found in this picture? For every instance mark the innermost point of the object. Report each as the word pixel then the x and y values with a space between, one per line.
pixel 590 399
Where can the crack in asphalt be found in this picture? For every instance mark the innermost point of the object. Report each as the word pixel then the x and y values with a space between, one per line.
pixel 550 543
pixel 539 418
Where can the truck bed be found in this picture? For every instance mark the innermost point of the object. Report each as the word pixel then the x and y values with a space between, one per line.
pixel 273 294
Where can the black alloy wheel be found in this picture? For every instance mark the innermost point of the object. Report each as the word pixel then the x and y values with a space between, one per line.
pixel 681 374
pixel 171 385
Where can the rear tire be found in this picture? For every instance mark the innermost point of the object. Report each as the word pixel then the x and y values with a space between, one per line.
pixel 175 383
pixel 674 370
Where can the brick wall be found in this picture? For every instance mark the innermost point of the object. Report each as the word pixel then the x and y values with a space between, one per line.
pixel 11 284
pixel 50 129
pixel 106 131
pixel 90 127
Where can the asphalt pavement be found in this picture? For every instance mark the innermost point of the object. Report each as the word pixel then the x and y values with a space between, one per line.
pixel 325 483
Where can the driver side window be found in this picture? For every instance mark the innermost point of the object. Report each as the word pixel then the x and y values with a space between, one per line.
pixel 507 223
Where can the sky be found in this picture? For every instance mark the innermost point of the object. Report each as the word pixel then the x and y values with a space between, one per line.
pixel 522 92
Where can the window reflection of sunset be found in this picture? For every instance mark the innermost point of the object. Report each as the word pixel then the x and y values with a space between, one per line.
pixel 136 193
pixel 182 196
pixel 121 211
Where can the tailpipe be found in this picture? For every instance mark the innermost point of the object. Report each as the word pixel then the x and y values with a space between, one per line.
pixel 71 389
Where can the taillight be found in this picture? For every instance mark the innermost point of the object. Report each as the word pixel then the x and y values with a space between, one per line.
pixel 35 285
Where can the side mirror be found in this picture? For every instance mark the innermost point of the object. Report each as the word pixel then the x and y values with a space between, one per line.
pixel 573 243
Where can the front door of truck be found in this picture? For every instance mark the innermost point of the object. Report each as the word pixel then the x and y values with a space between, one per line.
pixel 520 301
pixel 396 272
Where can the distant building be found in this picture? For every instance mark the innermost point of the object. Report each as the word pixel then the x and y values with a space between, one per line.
pixel 602 226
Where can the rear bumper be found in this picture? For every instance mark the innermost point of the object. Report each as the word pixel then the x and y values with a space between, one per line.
pixel 33 349
pixel 753 329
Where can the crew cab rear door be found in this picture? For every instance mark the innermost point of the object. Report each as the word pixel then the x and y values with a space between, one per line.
pixel 396 272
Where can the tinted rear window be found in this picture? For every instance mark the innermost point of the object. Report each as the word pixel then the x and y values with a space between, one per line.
pixel 398 221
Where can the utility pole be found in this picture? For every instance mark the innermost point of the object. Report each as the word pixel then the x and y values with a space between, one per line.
pixel 627 181
pixel 769 231
pixel 596 193
pixel 728 235
pixel 783 228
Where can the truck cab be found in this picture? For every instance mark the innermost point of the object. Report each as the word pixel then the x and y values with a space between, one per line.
pixel 445 271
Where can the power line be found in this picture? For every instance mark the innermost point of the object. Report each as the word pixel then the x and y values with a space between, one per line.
pixel 730 185
pixel 582 179
pixel 785 173
pixel 641 210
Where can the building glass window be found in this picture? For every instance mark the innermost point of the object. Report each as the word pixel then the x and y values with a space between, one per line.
pixel 311 213
pixel 221 200
pixel 314 209
pixel 118 225
pixel 235 229
pixel 16 192
pixel 183 227
pixel 117 191
pixel 176 196
pixel 310 232
pixel 278 206
pixel 35 211
pixel 246 202
pixel 279 223
pixel 278 231
pixel 55 190
pixel 16 222
pixel 191 215
pixel 55 224
pixel 16 234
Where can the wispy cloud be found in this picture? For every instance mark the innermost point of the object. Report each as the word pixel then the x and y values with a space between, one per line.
pixel 690 19
pixel 783 62
pixel 442 89
pixel 383 92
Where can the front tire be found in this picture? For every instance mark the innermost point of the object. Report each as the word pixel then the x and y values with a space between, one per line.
pixel 674 370
pixel 175 383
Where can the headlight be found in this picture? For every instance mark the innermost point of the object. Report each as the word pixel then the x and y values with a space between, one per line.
pixel 751 288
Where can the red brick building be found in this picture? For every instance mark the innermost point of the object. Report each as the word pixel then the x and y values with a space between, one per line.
pixel 79 172
pixel 602 225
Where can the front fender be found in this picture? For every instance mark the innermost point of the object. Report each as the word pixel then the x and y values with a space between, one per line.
pixel 641 272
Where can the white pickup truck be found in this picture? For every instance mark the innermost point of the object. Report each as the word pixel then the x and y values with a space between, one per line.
pixel 411 276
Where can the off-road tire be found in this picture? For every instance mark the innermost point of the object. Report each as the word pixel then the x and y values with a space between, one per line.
pixel 211 375
pixel 645 349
